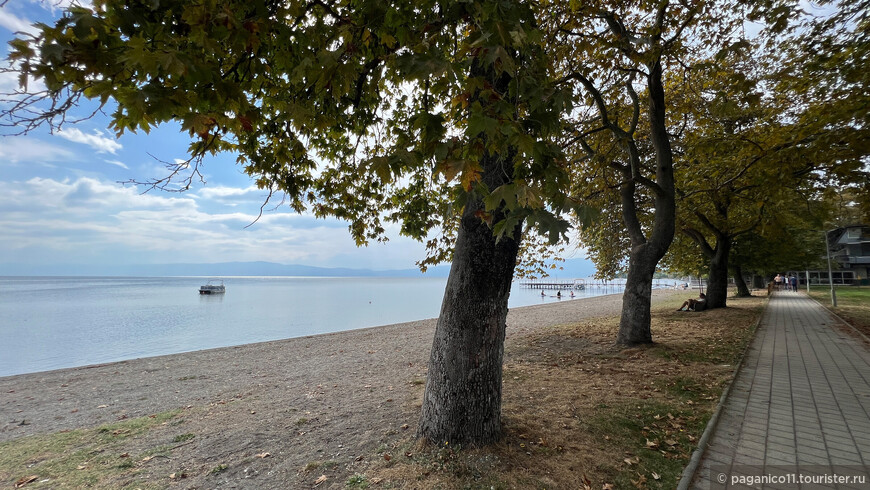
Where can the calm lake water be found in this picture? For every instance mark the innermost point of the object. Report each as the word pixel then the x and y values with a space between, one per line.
pixel 57 322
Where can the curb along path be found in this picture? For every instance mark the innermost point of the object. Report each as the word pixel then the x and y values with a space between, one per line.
pixel 798 414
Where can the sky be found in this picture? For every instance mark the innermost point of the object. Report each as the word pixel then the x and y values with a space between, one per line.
pixel 62 201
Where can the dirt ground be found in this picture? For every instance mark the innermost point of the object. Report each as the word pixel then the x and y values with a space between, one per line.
pixel 297 413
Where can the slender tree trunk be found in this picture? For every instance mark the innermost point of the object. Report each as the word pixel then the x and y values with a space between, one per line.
pixel 742 287
pixel 634 325
pixel 758 282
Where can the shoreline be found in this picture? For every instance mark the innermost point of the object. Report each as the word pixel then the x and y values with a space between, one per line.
pixel 286 339
pixel 80 323
pixel 348 366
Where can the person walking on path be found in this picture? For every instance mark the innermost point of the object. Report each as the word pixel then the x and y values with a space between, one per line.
pixel 798 412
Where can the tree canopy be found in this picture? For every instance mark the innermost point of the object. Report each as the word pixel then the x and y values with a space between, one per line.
pixel 367 111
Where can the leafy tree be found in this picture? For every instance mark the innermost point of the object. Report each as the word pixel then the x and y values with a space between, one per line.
pixel 755 160
pixel 617 55
pixel 433 114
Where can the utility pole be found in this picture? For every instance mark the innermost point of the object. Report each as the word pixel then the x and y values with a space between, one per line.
pixel 830 274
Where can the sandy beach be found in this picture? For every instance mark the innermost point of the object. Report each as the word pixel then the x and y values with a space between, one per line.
pixel 329 397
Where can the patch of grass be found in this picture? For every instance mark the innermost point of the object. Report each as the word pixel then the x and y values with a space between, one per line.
pixel 578 411
pixel 301 421
pixel 183 437
pixel 656 439
pixel 323 465
pixel 357 481
pixel 219 469
pixel 853 304
pixel 83 458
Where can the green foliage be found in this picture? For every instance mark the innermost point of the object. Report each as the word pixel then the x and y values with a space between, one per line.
pixel 357 481
pixel 765 168
pixel 362 110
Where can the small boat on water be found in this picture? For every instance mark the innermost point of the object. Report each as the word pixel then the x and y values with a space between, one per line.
pixel 213 287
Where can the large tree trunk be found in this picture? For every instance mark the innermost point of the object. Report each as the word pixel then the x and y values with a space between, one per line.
pixel 634 325
pixel 462 400
pixel 717 282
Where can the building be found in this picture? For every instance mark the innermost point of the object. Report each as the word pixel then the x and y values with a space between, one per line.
pixel 850 248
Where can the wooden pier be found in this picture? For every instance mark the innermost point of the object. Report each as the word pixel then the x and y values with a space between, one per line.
pixel 576 284
pixel 584 284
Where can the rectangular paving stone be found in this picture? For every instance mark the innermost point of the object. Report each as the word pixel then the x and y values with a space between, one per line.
pixel 803 392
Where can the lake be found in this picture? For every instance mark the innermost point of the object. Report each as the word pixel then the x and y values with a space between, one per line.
pixel 58 322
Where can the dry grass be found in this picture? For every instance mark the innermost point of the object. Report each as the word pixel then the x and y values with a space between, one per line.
pixel 108 456
pixel 853 304
pixel 580 413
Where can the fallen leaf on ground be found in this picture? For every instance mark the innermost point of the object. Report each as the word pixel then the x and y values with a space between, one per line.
pixel 263 455
pixel 656 476
pixel 320 480
pixel 25 480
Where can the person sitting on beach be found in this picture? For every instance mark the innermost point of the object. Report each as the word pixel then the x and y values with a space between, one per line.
pixel 692 304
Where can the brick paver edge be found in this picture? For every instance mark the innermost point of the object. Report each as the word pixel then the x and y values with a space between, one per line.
pixel 695 460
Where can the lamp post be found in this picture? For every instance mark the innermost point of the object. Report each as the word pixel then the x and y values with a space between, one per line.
pixel 830 274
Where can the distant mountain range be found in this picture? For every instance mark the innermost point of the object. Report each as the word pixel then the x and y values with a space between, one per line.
pixel 572 268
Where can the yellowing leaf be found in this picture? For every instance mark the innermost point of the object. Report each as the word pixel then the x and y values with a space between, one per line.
pixel 320 479
pixel 25 480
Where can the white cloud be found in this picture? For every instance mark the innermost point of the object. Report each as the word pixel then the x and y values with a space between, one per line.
pixel 14 24
pixel 87 219
pixel 95 140
pixel 31 150
pixel 117 164
pixel 218 192
pixel 55 5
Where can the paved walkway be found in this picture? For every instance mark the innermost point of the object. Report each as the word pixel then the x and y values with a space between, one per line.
pixel 799 410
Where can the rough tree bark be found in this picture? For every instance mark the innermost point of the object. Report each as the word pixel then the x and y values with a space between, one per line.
pixel 462 398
